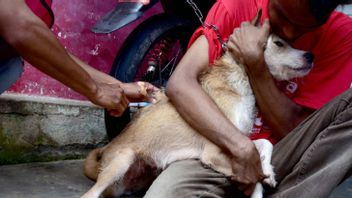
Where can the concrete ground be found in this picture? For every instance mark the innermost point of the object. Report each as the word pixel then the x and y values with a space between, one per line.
pixel 41 180
pixel 65 179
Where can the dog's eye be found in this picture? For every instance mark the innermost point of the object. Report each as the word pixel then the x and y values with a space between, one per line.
pixel 279 43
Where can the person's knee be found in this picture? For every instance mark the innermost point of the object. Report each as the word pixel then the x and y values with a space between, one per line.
pixel 170 182
pixel 346 96
pixel 189 178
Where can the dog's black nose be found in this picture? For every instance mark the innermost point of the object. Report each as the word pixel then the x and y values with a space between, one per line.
pixel 309 57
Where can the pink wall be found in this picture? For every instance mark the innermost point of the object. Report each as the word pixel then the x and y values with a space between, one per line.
pixel 73 20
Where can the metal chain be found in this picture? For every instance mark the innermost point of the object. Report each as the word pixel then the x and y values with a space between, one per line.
pixel 205 24
pixel 218 36
pixel 196 10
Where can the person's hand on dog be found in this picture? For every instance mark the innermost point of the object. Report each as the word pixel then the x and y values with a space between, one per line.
pixel 140 91
pixel 110 96
pixel 247 168
pixel 247 42
pixel 135 92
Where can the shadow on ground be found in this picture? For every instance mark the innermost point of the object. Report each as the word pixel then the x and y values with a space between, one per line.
pixel 65 179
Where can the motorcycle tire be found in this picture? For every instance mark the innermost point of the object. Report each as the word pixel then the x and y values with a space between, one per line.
pixel 144 47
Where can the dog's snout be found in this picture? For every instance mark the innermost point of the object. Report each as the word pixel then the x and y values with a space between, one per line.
pixel 309 57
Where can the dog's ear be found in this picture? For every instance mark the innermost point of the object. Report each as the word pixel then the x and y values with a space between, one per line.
pixel 256 20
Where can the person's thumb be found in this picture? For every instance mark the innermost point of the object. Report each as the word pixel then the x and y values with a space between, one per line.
pixel 266 27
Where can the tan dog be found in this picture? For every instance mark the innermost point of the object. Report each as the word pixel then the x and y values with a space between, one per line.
pixel 158 135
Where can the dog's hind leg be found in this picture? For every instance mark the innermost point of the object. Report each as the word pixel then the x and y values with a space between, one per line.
pixel 113 171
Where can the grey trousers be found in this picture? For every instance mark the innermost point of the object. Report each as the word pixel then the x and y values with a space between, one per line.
pixel 309 162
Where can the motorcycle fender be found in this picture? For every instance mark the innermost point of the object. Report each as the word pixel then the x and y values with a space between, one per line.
pixel 123 14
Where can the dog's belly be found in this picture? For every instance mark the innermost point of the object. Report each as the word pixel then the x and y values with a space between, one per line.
pixel 243 114
pixel 173 139
pixel 166 137
pixel 160 133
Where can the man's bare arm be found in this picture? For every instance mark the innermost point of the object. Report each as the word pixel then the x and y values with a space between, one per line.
pixel 32 39
pixel 197 108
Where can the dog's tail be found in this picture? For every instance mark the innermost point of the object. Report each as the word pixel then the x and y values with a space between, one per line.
pixel 92 164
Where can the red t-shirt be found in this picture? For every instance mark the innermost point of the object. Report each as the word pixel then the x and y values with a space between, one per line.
pixel 42 8
pixel 331 45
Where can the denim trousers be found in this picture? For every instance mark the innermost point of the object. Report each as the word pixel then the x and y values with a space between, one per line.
pixel 10 71
pixel 309 162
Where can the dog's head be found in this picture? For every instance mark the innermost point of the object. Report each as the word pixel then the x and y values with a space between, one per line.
pixel 285 62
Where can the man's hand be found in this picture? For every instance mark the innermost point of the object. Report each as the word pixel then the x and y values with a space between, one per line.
pixel 248 41
pixel 112 97
pixel 247 169
pixel 116 96
pixel 140 91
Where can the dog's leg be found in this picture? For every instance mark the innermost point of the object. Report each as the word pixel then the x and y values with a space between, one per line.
pixel 265 149
pixel 214 158
pixel 258 191
pixel 113 171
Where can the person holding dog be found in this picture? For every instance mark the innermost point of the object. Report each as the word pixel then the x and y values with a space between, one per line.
pixel 311 128
pixel 24 34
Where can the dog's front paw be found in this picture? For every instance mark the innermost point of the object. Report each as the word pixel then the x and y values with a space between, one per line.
pixel 270 180
pixel 258 191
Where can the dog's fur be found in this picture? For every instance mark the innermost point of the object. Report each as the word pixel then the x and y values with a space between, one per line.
pixel 159 136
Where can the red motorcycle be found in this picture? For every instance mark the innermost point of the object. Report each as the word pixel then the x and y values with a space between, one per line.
pixel 152 51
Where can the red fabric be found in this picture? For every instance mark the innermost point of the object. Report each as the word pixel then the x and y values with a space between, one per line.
pixel 227 15
pixel 41 11
pixel 260 129
pixel 331 45
pixel 332 73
